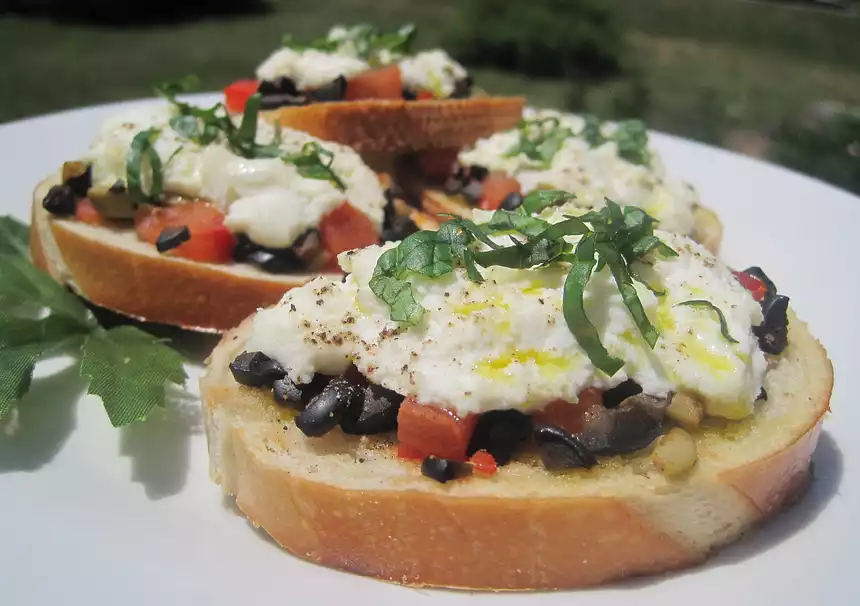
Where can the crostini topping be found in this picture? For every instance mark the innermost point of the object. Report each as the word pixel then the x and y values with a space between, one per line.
pixel 561 450
pixel 593 160
pixel 272 185
pixel 507 341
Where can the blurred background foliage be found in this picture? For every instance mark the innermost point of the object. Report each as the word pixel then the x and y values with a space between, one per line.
pixel 778 79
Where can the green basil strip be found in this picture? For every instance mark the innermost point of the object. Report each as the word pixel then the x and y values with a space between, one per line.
pixel 505 220
pixel 573 307
pixel 141 157
pixel 702 304
pixel 624 281
pixel 393 290
pixel 538 200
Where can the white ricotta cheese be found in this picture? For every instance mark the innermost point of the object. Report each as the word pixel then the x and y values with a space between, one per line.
pixel 267 198
pixel 309 68
pixel 593 174
pixel 433 71
pixel 504 343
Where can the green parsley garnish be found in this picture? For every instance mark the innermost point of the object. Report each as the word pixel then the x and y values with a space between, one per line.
pixel 366 41
pixel 702 304
pixel 611 237
pixel 39 319
pixel 540 139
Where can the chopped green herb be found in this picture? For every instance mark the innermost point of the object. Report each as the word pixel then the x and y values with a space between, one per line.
pixel 144 164
pixel 611 237
pixel 314 162
pixel 364 41
pixel 702 304
pixel 540 139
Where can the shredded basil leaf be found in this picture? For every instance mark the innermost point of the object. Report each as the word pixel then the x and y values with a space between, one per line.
pixel 538 200
pixel 142 157
pixel 703 304
pixel 314 162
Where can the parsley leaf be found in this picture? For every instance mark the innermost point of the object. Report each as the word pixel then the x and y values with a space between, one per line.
pixel 724 326
pixel 128 369
pixel 40 319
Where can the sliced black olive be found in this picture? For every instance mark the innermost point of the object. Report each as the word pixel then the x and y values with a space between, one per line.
pixel 376 412
pixel 512 201
pixel 762 395
pixel 613 397
pixel 274 260
pixel 473 191
pixel 759 273
pixel 333 91
pixel 60 201
pixel 288 393
pixel 307 246
pixel 244 248
pixel 462 88
pixel 171 237
pixel 408 94
pixel 443 470
pixel 560 450
pixel 279 86
pixel 325 411
pixel 269 102
pixel 478 172
pixel 78 176
pixel 772 333
pixel 256 369
pixel 398 228
pixel 633 425
pixel 500 432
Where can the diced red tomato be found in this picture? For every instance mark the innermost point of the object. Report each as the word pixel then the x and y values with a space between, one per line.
pixel 437 164
pixel 210 240
pixel 752 284
pixel 382 83
pixel 346 228
pixel 424 95
pixel 236 95
pixel 494 189
pixel 483 462
pixel 427 429
pixel 86 212
pixel 405 451
pixel 570 417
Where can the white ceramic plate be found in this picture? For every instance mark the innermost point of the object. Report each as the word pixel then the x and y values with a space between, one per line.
pixel 95 515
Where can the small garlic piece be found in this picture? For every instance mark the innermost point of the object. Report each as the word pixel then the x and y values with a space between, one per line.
pixel 685 410
pixel 675 452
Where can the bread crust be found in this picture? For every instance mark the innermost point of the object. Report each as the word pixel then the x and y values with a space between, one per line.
pixel 399 126
pixel 349 503
pixel 131 278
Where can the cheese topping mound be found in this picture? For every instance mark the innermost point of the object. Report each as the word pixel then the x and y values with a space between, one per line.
pixel 265 198
pixel 592 173
pixel 504 343
pixel 434 71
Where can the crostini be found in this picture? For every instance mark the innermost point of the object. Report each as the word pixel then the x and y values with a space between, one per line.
pixel 514 403
pixel 364 88
pixel 188 216
pixel 552 150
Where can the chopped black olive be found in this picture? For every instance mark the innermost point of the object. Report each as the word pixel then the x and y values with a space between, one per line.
pixel 762 395
pixel 500 432
pixel 256 369
pixel 408 94
pixel 560 450
pixel 633 425
pixel 462 88
pixel 443 470
pixel 478 172
pixel 277 260
pixel 473 191
pixel 307 246
pixel 376 412
pixel 279 86
pixel 79 177
pixel 333 91
pixel 772 333
pixel 268 102
pixel 325 411
pixel 171 237
pixel 613 397
pixel 453 185
pixel 759 273
pixel 512 201
pixel 60 201
pixel 288 393
pixel 398 228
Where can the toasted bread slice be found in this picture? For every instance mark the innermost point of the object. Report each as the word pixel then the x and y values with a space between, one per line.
pixel 350 503
pixel 400 126
pixel 707 229
pixel 112 268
